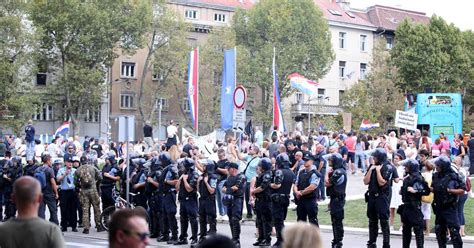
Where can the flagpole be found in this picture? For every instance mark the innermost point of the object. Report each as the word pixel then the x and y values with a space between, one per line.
pixel 273 90
pixel 197 93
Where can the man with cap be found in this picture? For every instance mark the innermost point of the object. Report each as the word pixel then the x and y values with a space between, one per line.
pixel 378 178
pixel 414 187
pixel 262 193
pixel 187 196
pixel 109 178
pixel 67 196
pixel 446 186
pixel 336 182
pixel 283 179
pixel 207 185
pixel 233 199
pixel 304 189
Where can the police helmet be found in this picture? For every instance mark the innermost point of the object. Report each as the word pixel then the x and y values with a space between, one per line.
pixel 165 158
pixel 210 166
pixel 380 154
pixel 16 160
pixel 188 163
pixel 411 165
pixel 283 161
pixel 265 164
pixel 336 159
pixel 443 163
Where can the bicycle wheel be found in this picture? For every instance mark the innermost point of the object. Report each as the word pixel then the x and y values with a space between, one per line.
pixel 105 217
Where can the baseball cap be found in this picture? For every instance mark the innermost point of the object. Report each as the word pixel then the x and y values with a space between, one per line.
pixel 233 165
pixel 307 156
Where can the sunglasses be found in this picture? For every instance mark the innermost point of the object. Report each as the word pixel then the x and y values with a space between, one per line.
pixel 142 236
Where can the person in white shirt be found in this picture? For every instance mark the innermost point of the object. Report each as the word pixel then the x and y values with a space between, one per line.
pixel 172 132
pixel 258 136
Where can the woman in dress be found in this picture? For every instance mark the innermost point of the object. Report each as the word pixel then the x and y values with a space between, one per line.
pixel 396 199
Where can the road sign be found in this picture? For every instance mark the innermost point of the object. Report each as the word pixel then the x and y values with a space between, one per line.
pixel 406 120
pixel 240 96
pixel 240 116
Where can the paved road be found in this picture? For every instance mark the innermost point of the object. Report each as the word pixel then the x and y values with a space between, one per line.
pixel 351 239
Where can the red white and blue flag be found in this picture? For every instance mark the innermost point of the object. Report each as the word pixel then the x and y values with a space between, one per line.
pixel 366 125
pixel 277 111
pixel 63 129
pixel 303 84
pixel 193 83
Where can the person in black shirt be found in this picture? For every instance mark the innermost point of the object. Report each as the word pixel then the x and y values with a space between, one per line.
pixel 222 173
pixel 98 148
pixel 262 193
pixel 50 190
pixel 148 135
pixel 470 148
pixel 207 185
pixel 233 198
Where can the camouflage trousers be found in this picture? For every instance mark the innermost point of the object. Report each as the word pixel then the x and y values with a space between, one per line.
pixel 90 197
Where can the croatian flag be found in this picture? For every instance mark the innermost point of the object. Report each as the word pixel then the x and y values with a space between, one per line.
pixel 303 84
pixel 277 112
pixel 366 125
pixel 193 83
pixel 63 129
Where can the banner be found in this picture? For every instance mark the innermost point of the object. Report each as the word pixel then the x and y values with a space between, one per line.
pixel 193 84
pixel 406 120
pixel 228 87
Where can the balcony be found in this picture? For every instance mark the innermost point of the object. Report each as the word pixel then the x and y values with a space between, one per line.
pixel 315 109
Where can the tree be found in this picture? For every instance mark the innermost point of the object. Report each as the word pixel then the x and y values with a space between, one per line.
pixel 17 47
pixel 468 97
pixel 298 32
pixel 377 98
pixel 166 52
pixel 431 56
pixel 79 38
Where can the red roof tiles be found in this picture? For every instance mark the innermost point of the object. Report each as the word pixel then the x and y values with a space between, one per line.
pixel 388 18
pixel 328 5
pixel 245 4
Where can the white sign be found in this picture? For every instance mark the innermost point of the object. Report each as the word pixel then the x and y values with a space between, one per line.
pixel 240 115
pixel 126 128
pixel 240 96
pixel 406 120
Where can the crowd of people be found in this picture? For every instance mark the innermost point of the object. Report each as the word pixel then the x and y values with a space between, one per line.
pixel 406 173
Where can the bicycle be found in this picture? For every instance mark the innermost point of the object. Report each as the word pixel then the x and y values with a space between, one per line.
pixel 120 203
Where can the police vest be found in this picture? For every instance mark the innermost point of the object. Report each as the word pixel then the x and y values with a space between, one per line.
pixel 238 181
pixel 410 181
pixel 192 181
pixel 105 180
pixel 164 187
pixel 374 186
pixel 260 182
pixel 443 199
pixel 286 183
pixel 203 191
pixel 338 180
pixel 304 180
pixel 155 174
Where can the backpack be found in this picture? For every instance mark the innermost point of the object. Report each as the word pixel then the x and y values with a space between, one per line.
pixel 87 177
pixel 40 175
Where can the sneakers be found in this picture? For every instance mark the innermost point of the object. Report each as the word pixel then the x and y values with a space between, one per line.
pixel 86 231
pixel 100 229
pixel 172 241
pixel 163 239
pixel 74 229
pixel 257 243
pixel 225 218
pixel 181 242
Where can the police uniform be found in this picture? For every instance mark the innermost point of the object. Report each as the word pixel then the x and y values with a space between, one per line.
pixel 283 178
pixel 336 190
pixel 207 201
pixel 188 203
pixel 86 178
pixel 307 206
pixel 263 203
pixel 153 198
pixel 234 200
pixel 12 170
pixel 410 211
pixel 378 199
pixel 107 184
pixel 68 198
pixel 168 194
pixel 445 203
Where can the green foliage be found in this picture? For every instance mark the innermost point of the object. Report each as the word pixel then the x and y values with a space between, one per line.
pixel 17 46
pixel 431 55
pixel 79 38
pixel 298 32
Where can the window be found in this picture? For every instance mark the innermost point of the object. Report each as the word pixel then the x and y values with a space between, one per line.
pixel 43 112
pixel 126 101
pixel 186 105
pixel 363 71
pixel 191 14
pixel 389 43
pixel 342 69
pixel 341 95
pixel 92 115
pixel 334 12
pixel 299 97
pixel 350 14
pixel 128 70
pixel 219 17
pixel 363 43
pixel 342 42
pixel 321 95
pixel 41 78
pixel 163 102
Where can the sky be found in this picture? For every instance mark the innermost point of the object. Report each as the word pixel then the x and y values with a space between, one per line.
pixel 459 12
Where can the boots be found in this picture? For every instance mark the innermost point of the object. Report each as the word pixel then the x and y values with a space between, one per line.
pixel 373 233
pixel 384 225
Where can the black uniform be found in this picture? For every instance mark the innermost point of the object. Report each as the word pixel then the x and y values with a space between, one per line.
pixel 263 206
pixel 13 171
pixel 107 185
pixel 207 201
pixel 234 200
pixel 378 199
pixel 168 194
pixel 307 206
pixel 151 192
pixel 410 211
pixel 281 197
pixel 445 204
pixel 337 193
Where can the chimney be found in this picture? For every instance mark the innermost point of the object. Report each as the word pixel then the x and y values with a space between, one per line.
pixel 345 4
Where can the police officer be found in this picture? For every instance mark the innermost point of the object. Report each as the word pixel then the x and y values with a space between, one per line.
pixel 446 186
pixel 109 178
pixel 304 189
pixel 207 185
pixel 138 182
pixel 414 186
pixel 336 181
pixel 151 192
pixel 11 172
pixel 233 199
pixel 378 178
pixel 167 188
pixel 30 168
pixel 283 179
pixel 262 193
pixel 187 196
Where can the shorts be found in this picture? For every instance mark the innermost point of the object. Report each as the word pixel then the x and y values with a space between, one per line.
pixel 351 157
pixel 426 210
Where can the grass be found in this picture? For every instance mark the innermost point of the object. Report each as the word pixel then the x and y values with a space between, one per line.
pixel 355 213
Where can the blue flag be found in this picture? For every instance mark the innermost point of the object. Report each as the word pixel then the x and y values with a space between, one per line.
pixel 227 91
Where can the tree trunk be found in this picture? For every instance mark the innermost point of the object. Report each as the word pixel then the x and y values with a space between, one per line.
pixel 144 73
